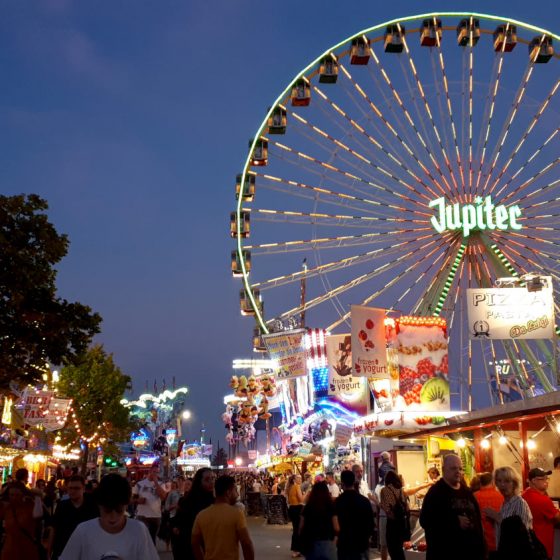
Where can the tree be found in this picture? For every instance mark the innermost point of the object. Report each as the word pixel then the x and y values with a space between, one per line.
pixel 97 387
pixel 220 458
pixel 35 325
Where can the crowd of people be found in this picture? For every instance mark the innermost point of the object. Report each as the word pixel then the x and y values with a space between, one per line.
pixel 333 518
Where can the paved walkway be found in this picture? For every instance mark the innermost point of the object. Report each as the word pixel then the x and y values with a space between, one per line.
pixel 272 542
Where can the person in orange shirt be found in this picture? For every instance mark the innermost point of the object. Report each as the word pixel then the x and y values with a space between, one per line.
pixel 488 497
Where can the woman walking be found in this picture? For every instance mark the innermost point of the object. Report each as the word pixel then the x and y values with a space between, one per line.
pixel 295 505
pixel 514 520
pixel 319 524
pixel 200 497
pixel 393 502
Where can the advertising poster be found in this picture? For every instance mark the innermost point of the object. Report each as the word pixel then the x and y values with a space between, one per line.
pixel 288 349
pixel 369 347
pixel 349 390
pixel 511 313
pixel 422 353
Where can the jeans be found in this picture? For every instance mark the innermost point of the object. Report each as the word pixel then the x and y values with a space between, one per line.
pixel 322 550
pixel 152 523
pixel 294 512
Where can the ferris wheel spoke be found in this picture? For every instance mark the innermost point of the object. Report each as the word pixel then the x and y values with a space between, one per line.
pixel 320 218
pixel 494 87
pixel 360 157
pixel 330 267
pixel 410 121
pixel 346 181
pixel 336 242
pixel 511 117
pixel 527 132
pixel 508 250
pixel 390 284
pixel 446 256
pixel 471 103
pixel 326 196
pixel 524 247
pixel 396 160
pixel 411 153
pixel 341 288
pixel 428 110
pixel 331 168
pixel 525 185
pixel 441 62
pixel 524 166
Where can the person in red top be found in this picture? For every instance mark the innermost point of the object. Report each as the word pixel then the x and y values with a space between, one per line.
pixel 488 497
pixel 545 515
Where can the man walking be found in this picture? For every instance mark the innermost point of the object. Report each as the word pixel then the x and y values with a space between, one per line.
pixel 69 514
pixel 113 535
pixel 220 529
pixel 148 495
pixel 488 497
pixel 333 486
pixel 385 465
pixel 545 515
pixel 355 518
pixel 451 517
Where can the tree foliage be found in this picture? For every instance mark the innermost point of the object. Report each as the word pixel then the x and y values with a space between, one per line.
pixel 35 325
pixel 97 386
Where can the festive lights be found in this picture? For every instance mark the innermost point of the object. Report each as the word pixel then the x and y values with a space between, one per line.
pixel 450 278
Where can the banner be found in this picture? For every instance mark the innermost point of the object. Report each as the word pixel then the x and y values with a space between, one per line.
pixel 44 409
pixel 288 350
pixel 422 352
pixel 56 415
pixel 511 313
pixel 349 390
pixel 369 353
pixel 34 405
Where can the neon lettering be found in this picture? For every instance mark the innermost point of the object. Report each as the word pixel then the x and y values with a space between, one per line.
pixel 470 217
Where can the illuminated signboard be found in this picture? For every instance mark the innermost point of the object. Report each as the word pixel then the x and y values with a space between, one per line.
pixel 511 313
pixel 478 216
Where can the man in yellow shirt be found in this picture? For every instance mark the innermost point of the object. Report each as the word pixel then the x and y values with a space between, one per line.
pixel 220 529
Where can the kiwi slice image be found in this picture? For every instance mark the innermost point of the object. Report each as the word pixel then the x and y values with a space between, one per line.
pixel 435 393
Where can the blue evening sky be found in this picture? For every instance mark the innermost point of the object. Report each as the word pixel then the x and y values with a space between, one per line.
pixel 132 120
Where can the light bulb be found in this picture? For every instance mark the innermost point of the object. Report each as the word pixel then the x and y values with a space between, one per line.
pixel 461 442
pixel 503 440
pixel 485 444
pixel 531 444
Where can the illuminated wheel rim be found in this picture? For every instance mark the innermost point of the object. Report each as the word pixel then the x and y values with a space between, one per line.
pixel 354 182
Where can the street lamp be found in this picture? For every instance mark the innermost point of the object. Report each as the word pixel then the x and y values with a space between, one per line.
pixel 186 414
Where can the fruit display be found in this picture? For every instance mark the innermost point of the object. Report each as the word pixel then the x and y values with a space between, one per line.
pixel 422 355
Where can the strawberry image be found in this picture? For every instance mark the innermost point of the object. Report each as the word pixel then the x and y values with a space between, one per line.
pixel 369 324
pixel 426 367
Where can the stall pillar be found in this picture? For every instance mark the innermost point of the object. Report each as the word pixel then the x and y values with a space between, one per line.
pixel 478 451
pixel 525 453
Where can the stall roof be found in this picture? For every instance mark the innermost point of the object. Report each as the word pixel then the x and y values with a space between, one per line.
pixel 523 410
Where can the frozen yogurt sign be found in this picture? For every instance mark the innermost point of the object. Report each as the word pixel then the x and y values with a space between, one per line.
pixel 478 216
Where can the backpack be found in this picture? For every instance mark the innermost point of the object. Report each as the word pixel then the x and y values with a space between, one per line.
pixel 516 541
pixel 401 513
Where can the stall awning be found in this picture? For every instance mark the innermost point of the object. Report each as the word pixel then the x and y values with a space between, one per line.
pixel 517 411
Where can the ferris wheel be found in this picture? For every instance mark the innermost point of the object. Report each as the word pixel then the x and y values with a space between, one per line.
pixel 404 165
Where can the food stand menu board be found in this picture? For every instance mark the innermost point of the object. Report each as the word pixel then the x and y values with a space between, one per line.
pixel 277 510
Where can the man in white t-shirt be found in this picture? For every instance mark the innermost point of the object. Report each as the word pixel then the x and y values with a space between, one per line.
pixel 112 536
pixel 333 486
pixel 148 494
